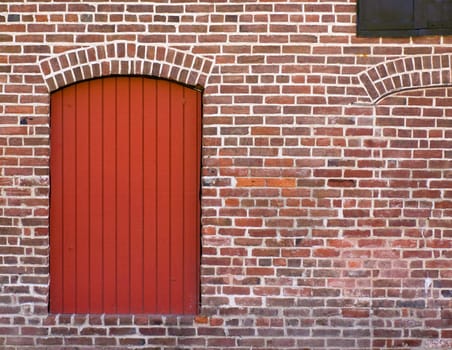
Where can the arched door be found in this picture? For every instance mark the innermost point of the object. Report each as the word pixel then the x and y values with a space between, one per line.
pixel 124 203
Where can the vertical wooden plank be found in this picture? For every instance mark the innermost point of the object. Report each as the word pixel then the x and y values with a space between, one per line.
pixel 109 195
pixel 150 262
pixel 69 199
pixel 95 196
pixel 136 195
pixel 82 196
pixel 56 203
pixel 196 262
pixel 123 193
pixel 176 198
pixel 192 165
pixel 163 196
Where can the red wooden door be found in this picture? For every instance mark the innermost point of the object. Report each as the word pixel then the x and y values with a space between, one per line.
pixel 124 204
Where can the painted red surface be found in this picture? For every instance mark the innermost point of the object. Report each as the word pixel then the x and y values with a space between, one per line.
pixel 125 169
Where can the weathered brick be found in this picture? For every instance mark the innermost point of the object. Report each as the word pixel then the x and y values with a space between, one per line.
pixel 311 199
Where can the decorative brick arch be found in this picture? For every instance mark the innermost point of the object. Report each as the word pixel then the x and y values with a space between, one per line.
pixel 125 58
pixel 406 73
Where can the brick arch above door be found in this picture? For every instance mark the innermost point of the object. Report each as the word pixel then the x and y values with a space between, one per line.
pixel 406 73
pixel 125 58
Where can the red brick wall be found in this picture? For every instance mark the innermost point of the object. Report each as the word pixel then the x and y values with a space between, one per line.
pixel 326 200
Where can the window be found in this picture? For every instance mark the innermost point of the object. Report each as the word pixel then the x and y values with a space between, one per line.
pixel 124 203
pixel 399 18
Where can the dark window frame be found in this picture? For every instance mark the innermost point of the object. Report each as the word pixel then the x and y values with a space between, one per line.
pixel 404 18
